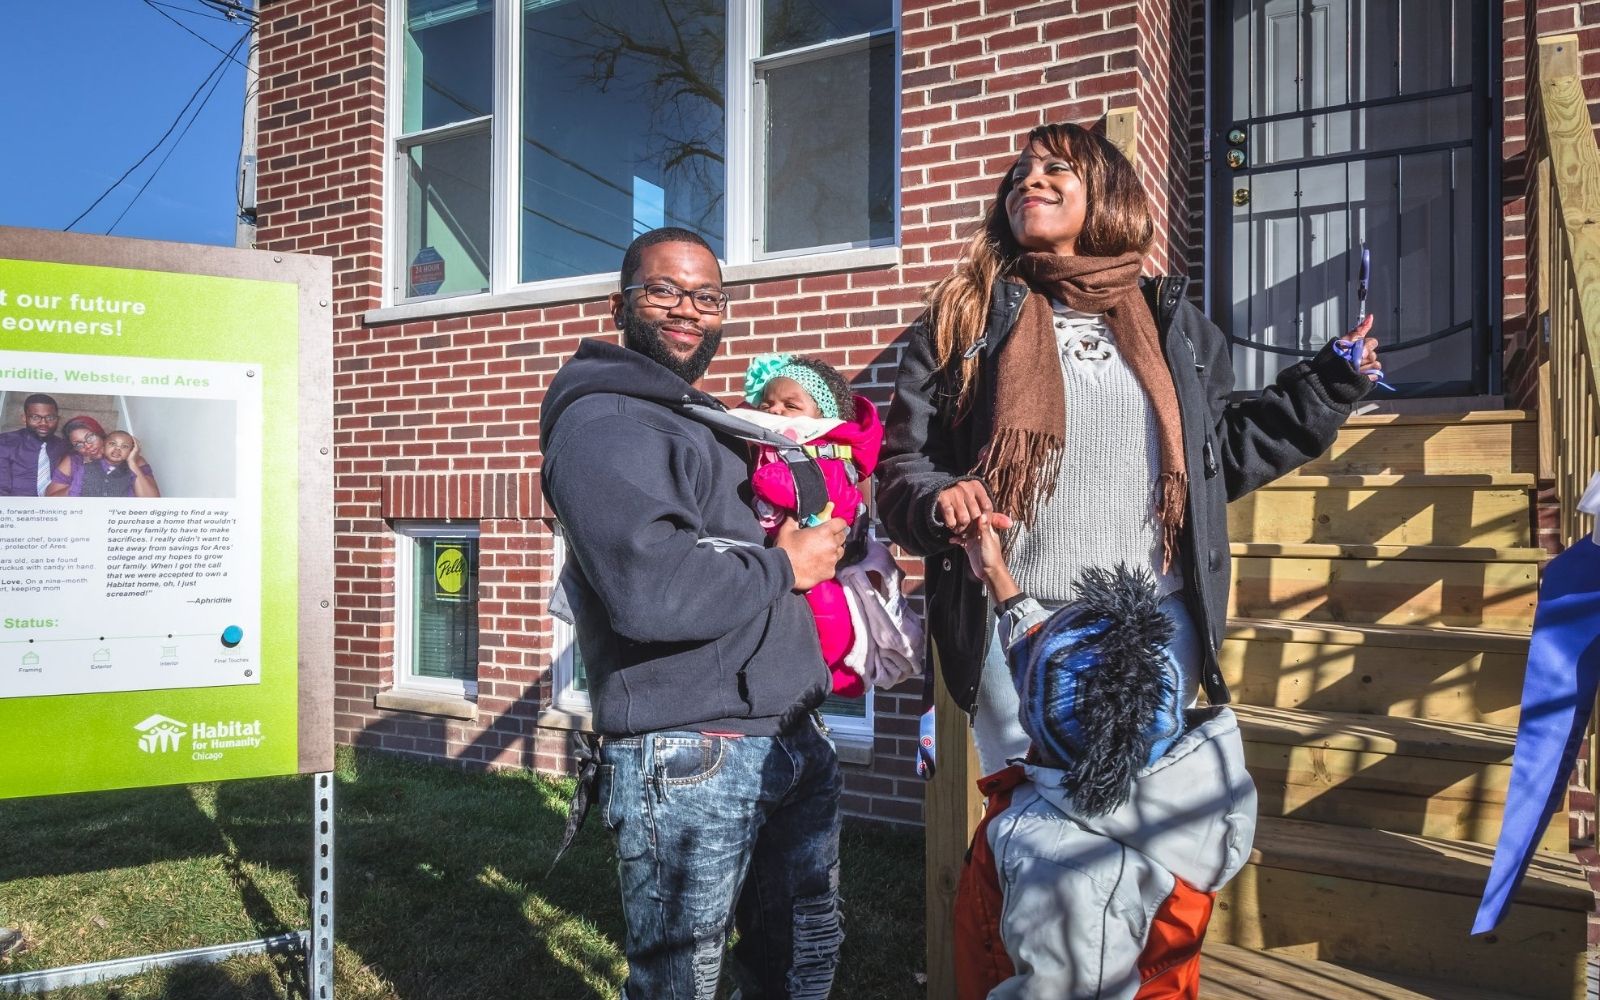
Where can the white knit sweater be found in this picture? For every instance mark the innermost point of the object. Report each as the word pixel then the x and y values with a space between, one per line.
pixel 1103 508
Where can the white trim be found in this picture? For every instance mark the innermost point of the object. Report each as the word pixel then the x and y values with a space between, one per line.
pixel 740 215
pixel 588 288
pixel 407 535
pixel 449 130
pixel 855 726
pixel 564 697
pixel 820 50
pixel 392 207
pixel 505 202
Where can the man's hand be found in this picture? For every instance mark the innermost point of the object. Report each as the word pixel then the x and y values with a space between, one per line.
pixel 959 505
pixel 813 552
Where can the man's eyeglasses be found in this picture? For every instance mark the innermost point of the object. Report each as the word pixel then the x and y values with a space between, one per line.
pixel 659 293
pixel 88 439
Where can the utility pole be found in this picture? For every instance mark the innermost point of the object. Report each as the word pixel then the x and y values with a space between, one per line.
pixel 244 234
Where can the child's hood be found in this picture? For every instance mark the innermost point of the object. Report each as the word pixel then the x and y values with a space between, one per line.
pixel 864 435
pixel 1193 811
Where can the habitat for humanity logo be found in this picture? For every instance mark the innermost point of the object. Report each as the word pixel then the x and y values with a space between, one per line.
pixel 161 734
pixel 208 740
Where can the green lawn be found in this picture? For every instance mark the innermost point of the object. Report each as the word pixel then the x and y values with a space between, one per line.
pixel 442 890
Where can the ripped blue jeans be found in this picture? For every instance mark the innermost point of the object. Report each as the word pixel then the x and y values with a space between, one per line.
pixel 711 833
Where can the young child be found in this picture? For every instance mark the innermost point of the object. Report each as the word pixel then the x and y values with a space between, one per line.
pixel 1097 861
pixel 809 402
pixel 125 470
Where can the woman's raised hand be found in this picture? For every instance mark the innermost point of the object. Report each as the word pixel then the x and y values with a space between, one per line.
pixel 1368 345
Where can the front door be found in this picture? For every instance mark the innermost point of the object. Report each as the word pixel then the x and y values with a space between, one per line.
pixel 1343 122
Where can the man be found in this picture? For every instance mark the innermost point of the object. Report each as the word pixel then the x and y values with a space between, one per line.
pixel 704 667
pixel 29 453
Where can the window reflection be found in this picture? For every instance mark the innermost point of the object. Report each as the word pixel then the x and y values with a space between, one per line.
pixel 623 128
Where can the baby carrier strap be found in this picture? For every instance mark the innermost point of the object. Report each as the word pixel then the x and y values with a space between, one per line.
pixel 811 490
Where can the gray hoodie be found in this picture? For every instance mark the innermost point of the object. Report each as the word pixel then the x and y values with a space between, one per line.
pixel 1080 892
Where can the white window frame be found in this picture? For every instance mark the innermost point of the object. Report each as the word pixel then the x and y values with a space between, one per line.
pixel 742 181
pixel 850 725
pixel 408 535
pixel 751 209
pixel 564 696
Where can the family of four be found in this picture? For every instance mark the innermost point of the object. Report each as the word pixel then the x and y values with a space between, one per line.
pixel 1060 450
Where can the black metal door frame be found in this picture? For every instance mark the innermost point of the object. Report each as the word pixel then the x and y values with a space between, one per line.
pixel 1486 339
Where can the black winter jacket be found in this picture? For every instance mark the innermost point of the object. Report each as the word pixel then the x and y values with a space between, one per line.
pixel 675 633
pixel 1231 448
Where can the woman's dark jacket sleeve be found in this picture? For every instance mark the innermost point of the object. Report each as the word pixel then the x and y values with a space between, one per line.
pixel 919 459
pixel 1293 420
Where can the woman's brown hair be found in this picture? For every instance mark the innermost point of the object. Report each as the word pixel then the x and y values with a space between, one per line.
pixel 1116 221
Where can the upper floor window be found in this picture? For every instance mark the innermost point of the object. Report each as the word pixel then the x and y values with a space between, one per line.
pixel 533 139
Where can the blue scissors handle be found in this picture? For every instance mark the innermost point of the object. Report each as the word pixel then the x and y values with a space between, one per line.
pixel 1352 351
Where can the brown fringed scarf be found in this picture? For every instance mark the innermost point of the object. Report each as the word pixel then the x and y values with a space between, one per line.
pixel 1023 459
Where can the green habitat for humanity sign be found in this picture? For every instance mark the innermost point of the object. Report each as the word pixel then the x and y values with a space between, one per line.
pixel 149 597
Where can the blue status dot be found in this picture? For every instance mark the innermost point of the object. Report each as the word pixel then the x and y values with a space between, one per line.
pixel 232 635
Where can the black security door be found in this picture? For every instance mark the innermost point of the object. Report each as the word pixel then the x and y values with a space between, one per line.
pixel 1343 121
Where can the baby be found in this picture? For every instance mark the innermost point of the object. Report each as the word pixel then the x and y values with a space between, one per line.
pixel 809 402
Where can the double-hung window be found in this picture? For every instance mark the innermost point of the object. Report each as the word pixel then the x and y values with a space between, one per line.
pixel 436 599
pixel 534 139
pixel 443 149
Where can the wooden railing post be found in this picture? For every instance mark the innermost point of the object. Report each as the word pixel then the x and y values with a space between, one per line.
pixel 951 812
pixel 1566 202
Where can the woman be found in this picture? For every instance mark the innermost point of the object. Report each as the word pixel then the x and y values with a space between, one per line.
pixel 1048 382
pixel 1052 392
pixel 101 464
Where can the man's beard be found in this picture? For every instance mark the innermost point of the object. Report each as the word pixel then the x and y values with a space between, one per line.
pixel 645 337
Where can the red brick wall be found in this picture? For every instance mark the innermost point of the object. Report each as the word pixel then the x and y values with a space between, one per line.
pixel 438 418
pixel 1164 98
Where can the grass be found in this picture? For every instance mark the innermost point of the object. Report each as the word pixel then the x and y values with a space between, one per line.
pixel 441 888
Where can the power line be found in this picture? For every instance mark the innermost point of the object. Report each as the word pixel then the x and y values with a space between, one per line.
pixel 208 14
pixel 232 9
pixel 153 6
pixel 147 153
pixel 173 148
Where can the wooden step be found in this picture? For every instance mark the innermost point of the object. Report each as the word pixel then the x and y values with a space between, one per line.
pixel 1480 510
pixel 1437 779
pixel 1479 441
pixel 1404 904
pixel 1472 587
pixel 1232 973
pixel 1452 675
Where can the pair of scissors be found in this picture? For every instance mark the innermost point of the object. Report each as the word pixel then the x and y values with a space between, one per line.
pixel 1352 351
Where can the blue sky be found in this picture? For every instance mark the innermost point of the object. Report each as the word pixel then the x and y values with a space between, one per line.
pixel 91 85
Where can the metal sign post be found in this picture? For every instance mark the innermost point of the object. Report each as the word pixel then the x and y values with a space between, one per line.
pixel 315 944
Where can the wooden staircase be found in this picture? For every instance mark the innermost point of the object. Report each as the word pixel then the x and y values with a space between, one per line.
pixel 1382 601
